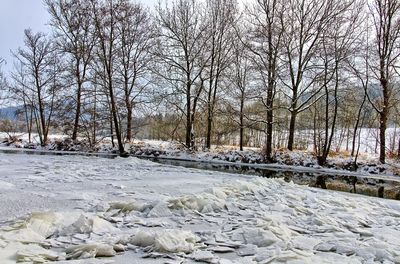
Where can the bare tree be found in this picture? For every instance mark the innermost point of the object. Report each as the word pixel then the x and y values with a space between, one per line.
pixel 20 92
pixel 182 40
pixel 238 94
pixel 386 23
pixel 73 26
pixel 135 36
pixel 304 22
pixel 40 64
pixel 265 45
pixel 219 52
pixel 106 22
pixel 359 68
pixel 337 47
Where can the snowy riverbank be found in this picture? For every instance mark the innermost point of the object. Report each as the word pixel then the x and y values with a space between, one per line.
pixel 135 211
pixel 303 160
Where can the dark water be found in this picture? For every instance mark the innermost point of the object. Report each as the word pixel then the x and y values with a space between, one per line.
pixel 371 186
pixel 229 168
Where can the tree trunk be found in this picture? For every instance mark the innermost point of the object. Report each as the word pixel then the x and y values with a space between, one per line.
pixel 42 118
pixel 268 149
pixel 129 123
pixel 353 146
pixel 38 127
pixel 323 155
pixel 382 135
pixel 383 114
pixel 209 125
pixel 115 118
pixel 192 137
pixel 333 126
pixel 210 89
pixel 28 118
pixel 241 123
pixel 43 123
pixel 94 116
pixel 112 131
pixel 272 54
pixel 128 105
pixel 30 125
pixel 77 111
pixel 188 116
pixel 292 126
pixel 270 102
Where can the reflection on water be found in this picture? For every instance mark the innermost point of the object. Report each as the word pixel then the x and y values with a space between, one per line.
pixel 383 188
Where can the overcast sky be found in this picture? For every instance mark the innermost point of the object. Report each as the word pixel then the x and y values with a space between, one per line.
pixel 17 15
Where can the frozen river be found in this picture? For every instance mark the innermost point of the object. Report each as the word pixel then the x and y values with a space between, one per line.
pixel 69 208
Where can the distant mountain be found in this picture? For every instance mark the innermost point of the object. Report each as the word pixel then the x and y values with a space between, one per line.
pixel 9 112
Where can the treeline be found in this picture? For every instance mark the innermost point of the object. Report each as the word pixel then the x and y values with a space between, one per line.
pixel 200 70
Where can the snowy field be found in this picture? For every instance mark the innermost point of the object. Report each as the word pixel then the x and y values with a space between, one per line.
pixel 78 210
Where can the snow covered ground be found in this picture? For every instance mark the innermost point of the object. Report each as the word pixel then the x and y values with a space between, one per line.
pixel 74 209
pixel 297 159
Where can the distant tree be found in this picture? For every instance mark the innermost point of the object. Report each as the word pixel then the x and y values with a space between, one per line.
pixel 304 22
pixel 360 71
pixel 182 41
pixel 40 65
pixel 20 92
pixel 239 74
pixel 135 33
pixel 222 15
pixel 105 15
pixel 383 60
pixel 265 45
pixel 337 48
pixel 74 34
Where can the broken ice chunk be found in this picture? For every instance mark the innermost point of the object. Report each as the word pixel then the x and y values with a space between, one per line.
pixel 248 250
pixel 221 249
pixel 305 243
pixel 160 210
pixel 90 251
pixel 204 256
pixel 143 238
pixel 255 236
pixel 169 240
pixel 36 254
pixel 86 225
pixel 125 208
pixel 175 241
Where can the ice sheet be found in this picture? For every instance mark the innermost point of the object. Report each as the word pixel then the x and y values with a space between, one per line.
pixel 69 208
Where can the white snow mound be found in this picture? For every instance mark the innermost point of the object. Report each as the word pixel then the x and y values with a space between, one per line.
pixel 170 240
